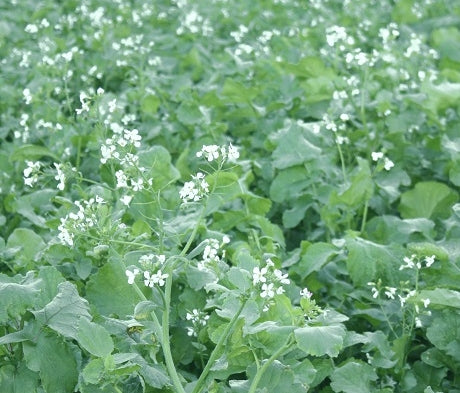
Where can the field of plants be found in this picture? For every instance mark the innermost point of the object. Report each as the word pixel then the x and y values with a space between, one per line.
pixel 229 196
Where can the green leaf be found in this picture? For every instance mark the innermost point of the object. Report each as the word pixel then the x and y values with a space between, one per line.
pixel 32 152
pixel 94 338
pixel 93 371
pixel 29 242
pixel 444 332
pixel 63 313
pixel 240 278
pixel 360 189
pixel 293 148
pixel 313 258
pixel 198 279
pixel 157 160
pixel 429 200
pixel 55 361
pixel 150 104
pixel 441 297
pixel 353 377
pixel 17 298
pixel 236 93
pixel 289 184
pixel 108 290
pixel 18 379
pixel 188 113
pixel 51 278
pixel 320 340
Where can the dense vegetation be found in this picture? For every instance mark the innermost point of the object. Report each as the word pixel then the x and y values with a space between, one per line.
pixel 229 196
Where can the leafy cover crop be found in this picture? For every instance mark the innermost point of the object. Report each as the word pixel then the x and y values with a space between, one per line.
pixel 229 196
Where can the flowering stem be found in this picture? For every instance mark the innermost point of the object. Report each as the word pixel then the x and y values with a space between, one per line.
pixel 165 344
pixel 363 222
pixel 260 371
pixel 216 352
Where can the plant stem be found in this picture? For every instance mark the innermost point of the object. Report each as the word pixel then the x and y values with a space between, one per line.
pixel 363 222
pixel 270 360
pixel 165 344
pixel 216 352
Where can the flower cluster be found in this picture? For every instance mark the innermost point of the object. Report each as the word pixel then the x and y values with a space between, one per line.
pixel 31 173
pixel 84 219
pixel 269 281
pixel 194 190
pixel 153 275
pixel 406 294
pixel 413 262
pixel 211 252
pixel 198 318
pixel 215 152
pixel 379 156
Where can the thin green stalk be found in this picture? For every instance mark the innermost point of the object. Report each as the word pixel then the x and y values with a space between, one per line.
pixel 342 162
pixel 363 222
pixel 270 360
pixel 216 352
pixel 165 344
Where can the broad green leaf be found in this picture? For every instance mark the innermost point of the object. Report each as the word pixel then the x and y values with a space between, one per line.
pixel 93 371
pixel 429 200
pixel 149 104
pixel 154 375
pixel 17 379
pixel 157 161
pixel 33 206
pixel 293 148
pixel 366 258
pixel 444 332
pixel 447 41
pixel 241 279
pixel 236 93
pixel 360 190
pixel 313 258
pixel 32 152
pixel 320 340
pixel 198 279
pixel 108 290
pixel 31 244
pixel 63 313
pixel 441 297
pixel 16 298
pixel 188 113
pixel 353 377
pixel 289 184
pixel 51 278
pixel 94 338
pixel 55 360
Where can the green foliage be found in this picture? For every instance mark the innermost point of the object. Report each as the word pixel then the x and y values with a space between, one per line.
pixel 229 196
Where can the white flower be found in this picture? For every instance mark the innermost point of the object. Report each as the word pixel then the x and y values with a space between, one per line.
pixel 133 137
pixel 258 275
pixel 132 275
pixel 122 179
pixel 267 291
pixel 426 302
pixel 376 155
pixel 157 278
pixel 390 292
pixel 126 199
pixel 305 293
pixel 409 263
pixel 388 164
pixel 60 176
pixel 138 184
pixel 430 260
pixel 233 153
pixel 282 278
